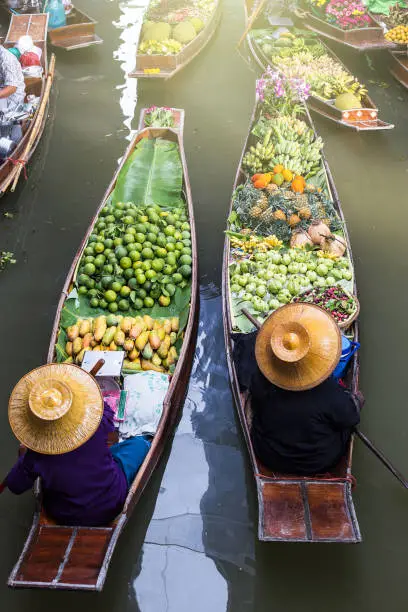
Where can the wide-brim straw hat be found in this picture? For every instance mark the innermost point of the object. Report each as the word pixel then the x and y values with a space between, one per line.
pixel 55 409
pixel 298 346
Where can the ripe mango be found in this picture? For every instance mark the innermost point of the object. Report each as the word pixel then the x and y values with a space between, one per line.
pixel 172 356
pixel 79 357
pixel 108 335
pixel 156 360
pixel 119 337
pixel 175 324
pixel 86 340
pixel 164 348
pixel 85 327
pixel 167 326
pixel 141 340
pixel 148 321
pixel 77 346
pixel 161 333
pixel 134 354
pixel 112 346
pixel 73 332
pixel 154 340
pixel 173 338
pixel 128 345
pixel 99 328
pixel 68 348
pixel 98 347
pixel 147 351
pixel 148 365
pixel 136 330
pixel 126 325
pixel 132 365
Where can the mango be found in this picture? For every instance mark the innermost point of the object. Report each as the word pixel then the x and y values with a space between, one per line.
pixel 156 360
pixel 175 324
pixel 147 351
pixel 85 327
pixel 86 340
pixel 167 326
pixel 126 325
pixel 172 356
pixel 98 347
pixel 161 333
pixel 157 324
pixel 148 365
pixel 148 321
pixel 113 346
pixel 136 330
pixel 99 328
pixel 79 357
pixel 119 337
pixel 173 338
pixel 93 342
pixel 128 345
pixel 134 354
pixel 154 340
pixel 77 346
pixel 142 340
pixel 132 365
pixel 68 348
pixel 164 348
pixel 108 335
pixel 73 332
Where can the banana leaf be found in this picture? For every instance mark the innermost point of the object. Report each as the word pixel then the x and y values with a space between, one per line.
pixel 153 174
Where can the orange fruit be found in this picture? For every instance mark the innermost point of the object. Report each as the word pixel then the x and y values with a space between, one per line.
pixel 278 169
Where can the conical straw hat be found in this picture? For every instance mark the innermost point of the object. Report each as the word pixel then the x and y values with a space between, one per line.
pixel 54 409
pixel 298 346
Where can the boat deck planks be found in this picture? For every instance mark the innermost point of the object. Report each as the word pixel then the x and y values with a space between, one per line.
pixel 292 508
pixel 77 558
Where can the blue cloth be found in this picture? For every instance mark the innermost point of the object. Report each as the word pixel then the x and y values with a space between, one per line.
pixel 130 455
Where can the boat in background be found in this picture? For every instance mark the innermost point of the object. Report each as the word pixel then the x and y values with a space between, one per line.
pixel 359 119
pixel 77 558
pixel 167 66
pixel 77 34
pixel 294 508
pixel 36 27
pixel 398 66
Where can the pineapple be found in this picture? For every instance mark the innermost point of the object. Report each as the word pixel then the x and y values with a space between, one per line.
pixel 279 215
pixel 293 220
pixel 272 188
pixel 262 202
pixel 255 212
pixel 268 215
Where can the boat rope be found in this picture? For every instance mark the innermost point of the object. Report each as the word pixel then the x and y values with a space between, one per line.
pixel 23 162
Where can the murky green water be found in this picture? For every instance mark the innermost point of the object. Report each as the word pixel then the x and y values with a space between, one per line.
pixel 191 544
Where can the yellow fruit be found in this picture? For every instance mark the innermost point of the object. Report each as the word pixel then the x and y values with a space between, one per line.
pixel 278 179
pixel 287 175
pixel 278 169
pixel 293 220
pixel 279 215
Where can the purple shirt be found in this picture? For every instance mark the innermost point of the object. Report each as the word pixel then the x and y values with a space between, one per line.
pixel 83 487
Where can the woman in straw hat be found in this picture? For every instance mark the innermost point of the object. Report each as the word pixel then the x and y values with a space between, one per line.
pixel 57 413
pixel 302 417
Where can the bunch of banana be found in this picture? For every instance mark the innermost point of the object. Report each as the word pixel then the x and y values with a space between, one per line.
pixel 257 159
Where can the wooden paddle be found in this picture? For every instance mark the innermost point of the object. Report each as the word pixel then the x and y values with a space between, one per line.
pixel 376 451
pixel 37 124
pixel 251 21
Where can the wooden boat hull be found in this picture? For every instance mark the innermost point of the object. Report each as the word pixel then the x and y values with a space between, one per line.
pixel 295 509
pixel 363 119
pixel 77 558
pixel 360 39
pixel 36 27
pixel 170 65
pixel 398 66
pixel 77 34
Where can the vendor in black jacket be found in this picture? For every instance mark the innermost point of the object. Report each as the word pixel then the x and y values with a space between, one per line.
pixel 302 417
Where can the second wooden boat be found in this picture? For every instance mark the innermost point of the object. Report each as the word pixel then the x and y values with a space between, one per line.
pixel 167 66
pixel 77 34
pixel 398 66
pixel 36 27
pixel 77 558
pixel 293 508
pixel 360 119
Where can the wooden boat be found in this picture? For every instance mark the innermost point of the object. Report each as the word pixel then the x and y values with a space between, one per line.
pixel 60 557
pixel 294 508
pixel 398 66
pixel 36 27
pixel 77 34
pixel 361 119
pixel 167 66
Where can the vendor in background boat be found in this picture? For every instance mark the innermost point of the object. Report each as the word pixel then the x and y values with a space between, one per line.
pixel 57 413
pixel 12 87
pixel 301 417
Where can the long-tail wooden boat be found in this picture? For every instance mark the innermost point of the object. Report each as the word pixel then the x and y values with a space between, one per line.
pixel 361 119
pixel 60 557
pixel 77 34
pixel 167 66
pixel 36 27
pixel 294 508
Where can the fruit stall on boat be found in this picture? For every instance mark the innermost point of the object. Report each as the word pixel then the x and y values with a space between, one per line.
pixel 174 32
pixel 131 295
pixel 287 241
pixel 334 92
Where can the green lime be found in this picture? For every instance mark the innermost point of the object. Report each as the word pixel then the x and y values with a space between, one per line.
pixel 141 279
pixel 185 260
pixel 187 242
pixel 99 261
pixel 94 302
pixel 138 247
pixel 119 206
pixel 171 259
pixel 132 283
pixel 125 291
pixel 131 230
pixel 157 265
pixel 138 264
pixel 141 228
pixel 125 263
pixel 147 253
pixel 177 235
pixel 89 250
pixel 140 238
pixel 147 286
pixel 141 293
pixel 168 269
pixel 127 238
pixel 127 220
pixel 93 238
pixel 154 229
pixel 120 251
pixel 148 302
pixel 90 283
pixel 108 243
pixel 171 219
pixel 130 247
pixel 164 300
pixel 82 290
pixel 110 218
pixel 117 242
pixel 113 307
pixel 179 246
pixel 185 271
pixel 146 265
pixel 170 246
pixel 116 286
pixel 99 247
pixel 112 258
pixel 107 269
pixel 100 225
pixel 186 250
pixel 89 259
pixel 89 269
pixel 177 277
pixel 103 304
pixel 171 289
pixel 161 252
pixel 147 244
pixel 129 273
pixel 138 304
pixel 110 296
pixel 150 274
pixel 83 279
pixel 134 255
pixel 106 281
pixel 155 291
pixel 161 240
pixel 169 230
pixel 152 237
pixel 123 305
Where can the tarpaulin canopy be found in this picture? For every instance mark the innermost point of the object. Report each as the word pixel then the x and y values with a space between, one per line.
pixel 382 6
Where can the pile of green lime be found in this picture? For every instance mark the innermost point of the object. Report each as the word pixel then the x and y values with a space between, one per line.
pixel 135 257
